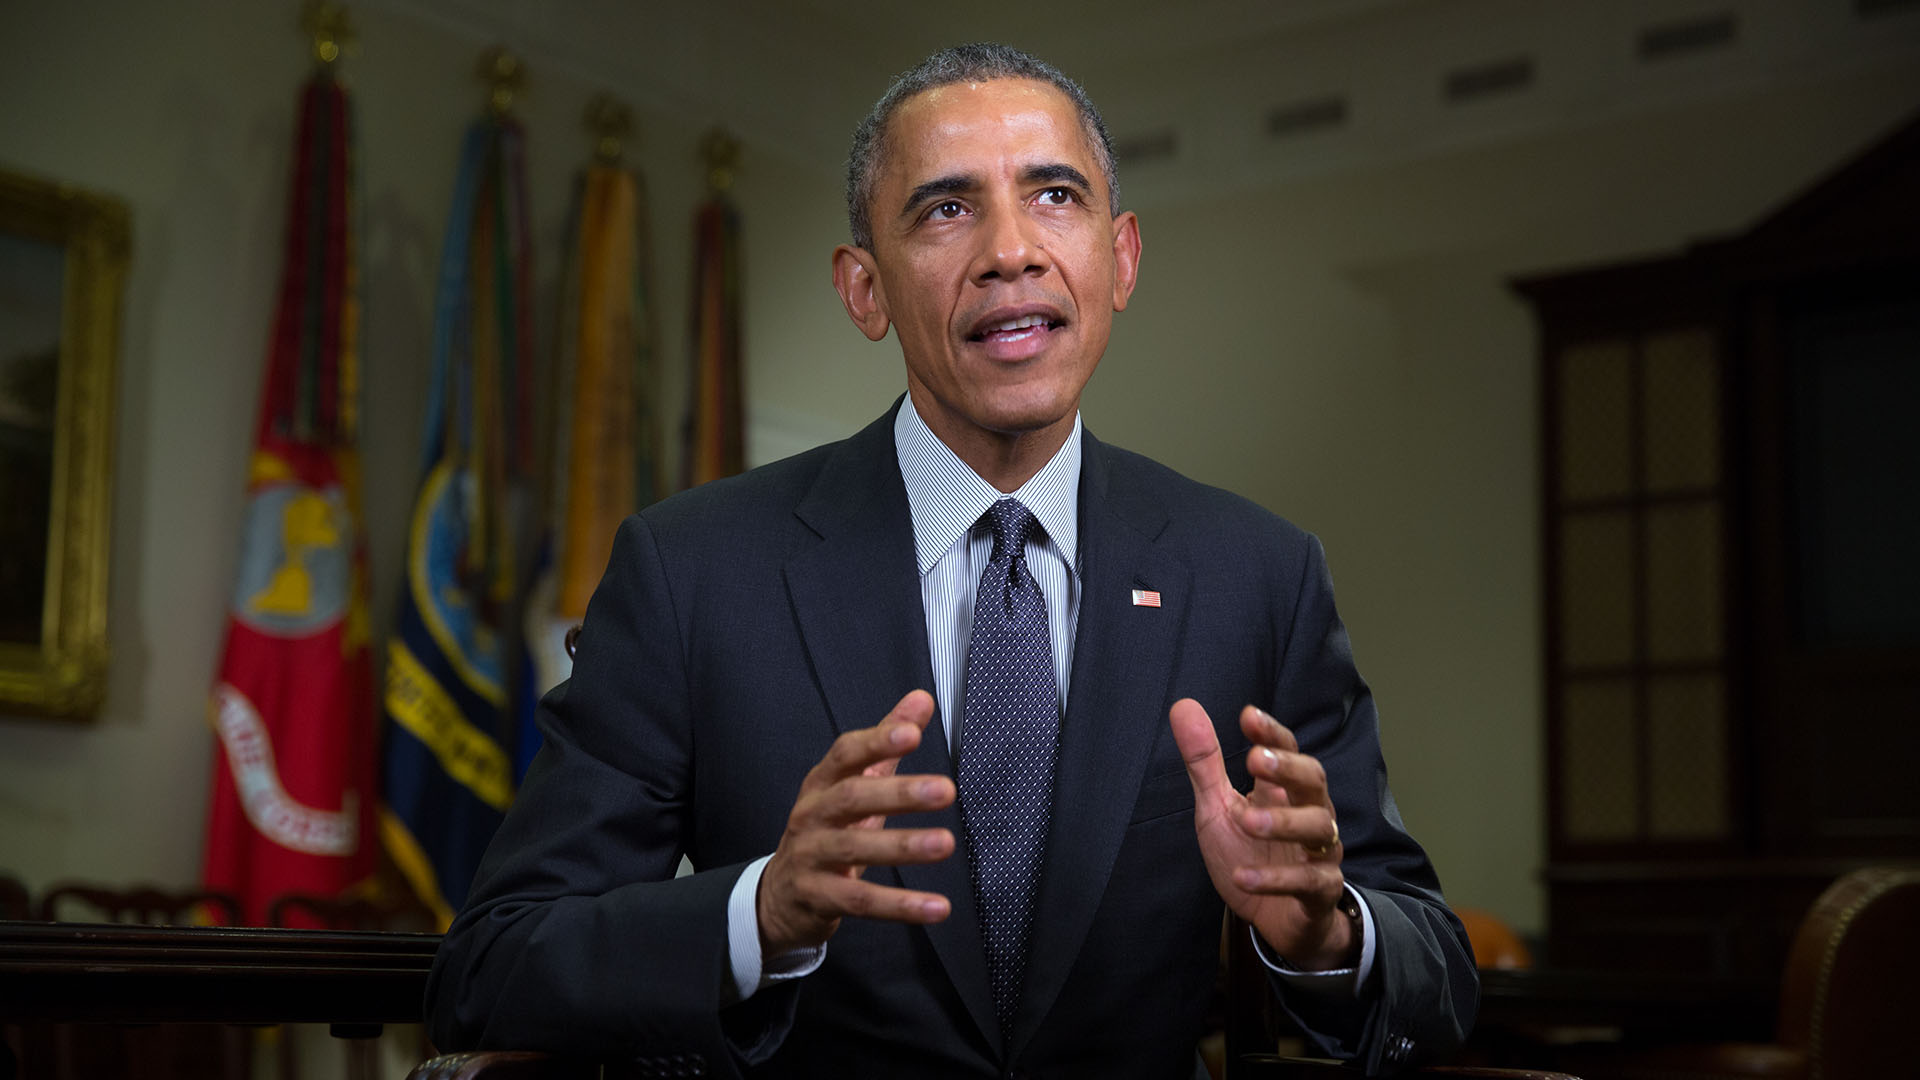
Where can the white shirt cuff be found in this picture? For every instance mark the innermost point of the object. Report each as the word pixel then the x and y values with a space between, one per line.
pixel 743 940
pixel 1328 983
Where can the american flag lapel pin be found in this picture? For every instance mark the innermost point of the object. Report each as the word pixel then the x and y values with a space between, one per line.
pixel 1146 598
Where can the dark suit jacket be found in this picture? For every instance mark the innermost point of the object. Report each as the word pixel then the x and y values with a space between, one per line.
pixel 743 625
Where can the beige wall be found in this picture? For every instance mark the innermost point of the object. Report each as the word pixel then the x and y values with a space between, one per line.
pixel 1346 352
pixel 185 111
pixel 1341 349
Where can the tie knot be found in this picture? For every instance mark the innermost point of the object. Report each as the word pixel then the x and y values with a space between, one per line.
pixel 1012 524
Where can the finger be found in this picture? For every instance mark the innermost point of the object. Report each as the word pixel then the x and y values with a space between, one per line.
pixel 857 751
pixel 856 798
pixel 914 710
pixel 1200 748
pixel 1264 730
pixel 1317 881
pixel 1262 761
pixel 834 896
pixel 1301 775
pixel 1309 826
pixel 1328 850
pixel 837 849
pixel 895 736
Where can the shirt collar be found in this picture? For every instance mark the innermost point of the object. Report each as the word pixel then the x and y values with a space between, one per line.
pixel 946 496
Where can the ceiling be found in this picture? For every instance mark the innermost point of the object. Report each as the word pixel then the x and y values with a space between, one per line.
pixel 1210 91
pixel 1073 36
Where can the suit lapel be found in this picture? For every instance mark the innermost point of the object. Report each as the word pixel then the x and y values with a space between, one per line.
pixel 1122 666
pixel 856 593
pixel 856 597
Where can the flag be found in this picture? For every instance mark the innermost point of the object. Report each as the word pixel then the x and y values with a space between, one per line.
pixel 455 679
pixel 715 419
pixel 603 450
pixel 293 780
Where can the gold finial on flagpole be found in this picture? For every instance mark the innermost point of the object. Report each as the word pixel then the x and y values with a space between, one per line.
pixel 722 154
pixel 610 123
pixel 332 31
pixel 505 77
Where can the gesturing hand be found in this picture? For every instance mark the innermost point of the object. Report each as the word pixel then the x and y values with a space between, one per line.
pixel 834 833
pixel 1273 855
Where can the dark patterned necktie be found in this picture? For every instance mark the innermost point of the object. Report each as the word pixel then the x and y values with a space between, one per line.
pixel 1009 735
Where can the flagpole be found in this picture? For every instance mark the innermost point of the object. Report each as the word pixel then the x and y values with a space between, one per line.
pixel 327 24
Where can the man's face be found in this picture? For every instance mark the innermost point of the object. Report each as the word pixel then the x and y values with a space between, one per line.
pixel 994 258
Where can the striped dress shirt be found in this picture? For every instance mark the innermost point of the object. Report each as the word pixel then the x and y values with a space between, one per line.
pixel 948 499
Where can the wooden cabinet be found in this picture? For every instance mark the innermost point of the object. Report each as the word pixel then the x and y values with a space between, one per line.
pixel 1731 514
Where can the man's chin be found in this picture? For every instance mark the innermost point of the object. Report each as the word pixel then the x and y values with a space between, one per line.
pixel 1006 411
pixel 1027 419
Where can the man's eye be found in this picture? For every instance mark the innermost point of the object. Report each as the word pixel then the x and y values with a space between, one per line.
pixel 947 210
pixel 1056 196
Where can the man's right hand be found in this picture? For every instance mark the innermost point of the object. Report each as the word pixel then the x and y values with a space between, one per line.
pixel 834 833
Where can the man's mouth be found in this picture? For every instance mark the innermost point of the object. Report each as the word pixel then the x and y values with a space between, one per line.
pixel 1015 331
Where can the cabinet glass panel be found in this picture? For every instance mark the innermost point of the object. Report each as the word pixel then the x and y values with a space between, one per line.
pixel 1684 581
pixel 1687 757
pixel 1596 588
pixel 1599 797
pixel 1596 459
pixel 1680 382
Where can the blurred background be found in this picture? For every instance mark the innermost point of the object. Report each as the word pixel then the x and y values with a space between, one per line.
pixel 1336 197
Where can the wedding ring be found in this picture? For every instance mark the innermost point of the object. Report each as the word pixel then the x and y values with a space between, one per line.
pixel 1316 852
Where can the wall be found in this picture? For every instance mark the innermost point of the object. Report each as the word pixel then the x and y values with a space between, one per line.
pixel 1345 351
pixel 1339 347
pixel 185 111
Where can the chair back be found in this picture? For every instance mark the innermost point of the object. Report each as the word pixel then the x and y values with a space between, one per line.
pixel 142 904
pixel 1495 944
pixel 13 899
pixel 1847 997
pixel 350 911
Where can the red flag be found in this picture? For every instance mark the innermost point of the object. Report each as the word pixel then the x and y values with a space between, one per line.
pixel 293 788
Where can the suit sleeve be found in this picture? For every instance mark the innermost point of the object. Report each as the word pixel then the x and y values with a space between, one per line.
pixel 1420 998
pixel 576 937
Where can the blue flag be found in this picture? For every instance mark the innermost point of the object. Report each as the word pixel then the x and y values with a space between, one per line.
pixel 451 688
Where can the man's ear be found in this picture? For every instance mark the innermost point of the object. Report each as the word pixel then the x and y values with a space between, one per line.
pixel 1126 257
pixel 854 279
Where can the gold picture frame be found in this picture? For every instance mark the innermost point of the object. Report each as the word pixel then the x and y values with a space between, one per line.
pixel 63 263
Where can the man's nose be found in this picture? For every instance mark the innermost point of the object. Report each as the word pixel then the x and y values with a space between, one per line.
pixel 1010 248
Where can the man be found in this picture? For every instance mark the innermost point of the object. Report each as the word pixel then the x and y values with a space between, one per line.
pixel 955 718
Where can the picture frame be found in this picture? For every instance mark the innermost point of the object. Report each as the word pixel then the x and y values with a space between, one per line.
pixel 64 254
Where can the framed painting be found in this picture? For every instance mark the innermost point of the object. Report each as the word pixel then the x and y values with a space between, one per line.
pixel 63 259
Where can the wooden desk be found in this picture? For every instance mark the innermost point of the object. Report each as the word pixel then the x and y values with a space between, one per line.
pixel 84 973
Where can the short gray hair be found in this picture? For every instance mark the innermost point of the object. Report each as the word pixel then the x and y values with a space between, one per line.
pixel 979 62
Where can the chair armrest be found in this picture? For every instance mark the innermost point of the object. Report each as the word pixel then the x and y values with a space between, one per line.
pixel 502 1065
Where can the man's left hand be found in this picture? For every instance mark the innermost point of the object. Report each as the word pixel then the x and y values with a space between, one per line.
pixel 1274 854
